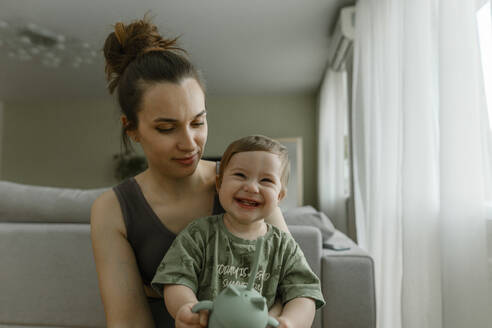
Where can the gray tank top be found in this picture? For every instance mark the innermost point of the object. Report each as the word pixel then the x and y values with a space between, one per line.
pixel 149 238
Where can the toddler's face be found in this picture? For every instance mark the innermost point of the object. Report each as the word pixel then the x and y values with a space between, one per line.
pixel 251 186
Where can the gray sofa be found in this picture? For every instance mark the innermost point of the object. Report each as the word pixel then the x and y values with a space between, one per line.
pixel 48 276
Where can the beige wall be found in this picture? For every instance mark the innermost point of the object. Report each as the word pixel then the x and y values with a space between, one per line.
pixel 70 144
pixel 60 143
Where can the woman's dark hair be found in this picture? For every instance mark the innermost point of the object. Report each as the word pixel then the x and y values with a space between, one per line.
pixel 137 56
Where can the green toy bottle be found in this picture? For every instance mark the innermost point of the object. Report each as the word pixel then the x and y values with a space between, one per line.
pixel 239 306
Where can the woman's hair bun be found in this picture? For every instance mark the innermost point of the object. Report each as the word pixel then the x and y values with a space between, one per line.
pixel 127 42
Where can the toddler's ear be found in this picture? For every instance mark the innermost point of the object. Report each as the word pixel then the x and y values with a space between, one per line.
pixel 282 194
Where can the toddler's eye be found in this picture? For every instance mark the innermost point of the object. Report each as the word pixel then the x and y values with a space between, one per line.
pixel 267 180
pixel 241 175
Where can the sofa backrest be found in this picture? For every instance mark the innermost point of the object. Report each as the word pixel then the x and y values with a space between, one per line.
pixel 26 203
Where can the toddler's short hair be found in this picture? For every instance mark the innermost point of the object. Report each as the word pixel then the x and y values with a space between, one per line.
pixel 257 143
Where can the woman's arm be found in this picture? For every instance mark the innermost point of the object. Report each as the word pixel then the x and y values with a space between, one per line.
pixel 120 284
pixel 277 219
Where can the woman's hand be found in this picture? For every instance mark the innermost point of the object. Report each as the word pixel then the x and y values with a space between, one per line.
pixel 187 319
pixel 277 219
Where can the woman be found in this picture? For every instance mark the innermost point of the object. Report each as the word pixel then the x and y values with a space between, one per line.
pixel 163 109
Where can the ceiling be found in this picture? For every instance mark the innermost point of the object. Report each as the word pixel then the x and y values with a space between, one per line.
pixel 242 47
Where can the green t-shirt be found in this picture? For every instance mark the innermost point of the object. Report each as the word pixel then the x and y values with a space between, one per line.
pixel 207 258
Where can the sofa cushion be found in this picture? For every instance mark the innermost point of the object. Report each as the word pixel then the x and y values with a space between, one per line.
pixel 308 215
pixel 26 203
pixel 48 276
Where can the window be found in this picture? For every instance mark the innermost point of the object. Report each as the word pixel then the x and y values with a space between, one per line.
pixel 484 23
pixel 485 38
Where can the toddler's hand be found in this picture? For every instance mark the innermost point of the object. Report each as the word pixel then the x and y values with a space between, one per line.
pixel 187 319
pixel 284 323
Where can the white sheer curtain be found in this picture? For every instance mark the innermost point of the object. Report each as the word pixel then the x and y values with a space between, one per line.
pixel 332 123
pixel 377 135
pixel 419 153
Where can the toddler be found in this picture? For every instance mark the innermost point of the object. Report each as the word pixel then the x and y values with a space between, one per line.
pixel 217 251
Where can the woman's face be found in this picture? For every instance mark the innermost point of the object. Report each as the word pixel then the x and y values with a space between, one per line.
pixel 172 127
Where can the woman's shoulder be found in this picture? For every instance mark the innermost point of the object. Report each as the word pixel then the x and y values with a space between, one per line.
pixel 106 212
pixel 209 168
pixel 105 201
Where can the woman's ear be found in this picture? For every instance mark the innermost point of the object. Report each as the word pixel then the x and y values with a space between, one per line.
pixel 131 133
pixel 124 120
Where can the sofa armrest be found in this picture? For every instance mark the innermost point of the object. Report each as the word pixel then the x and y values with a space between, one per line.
pixel 310 241
pixel 348 287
